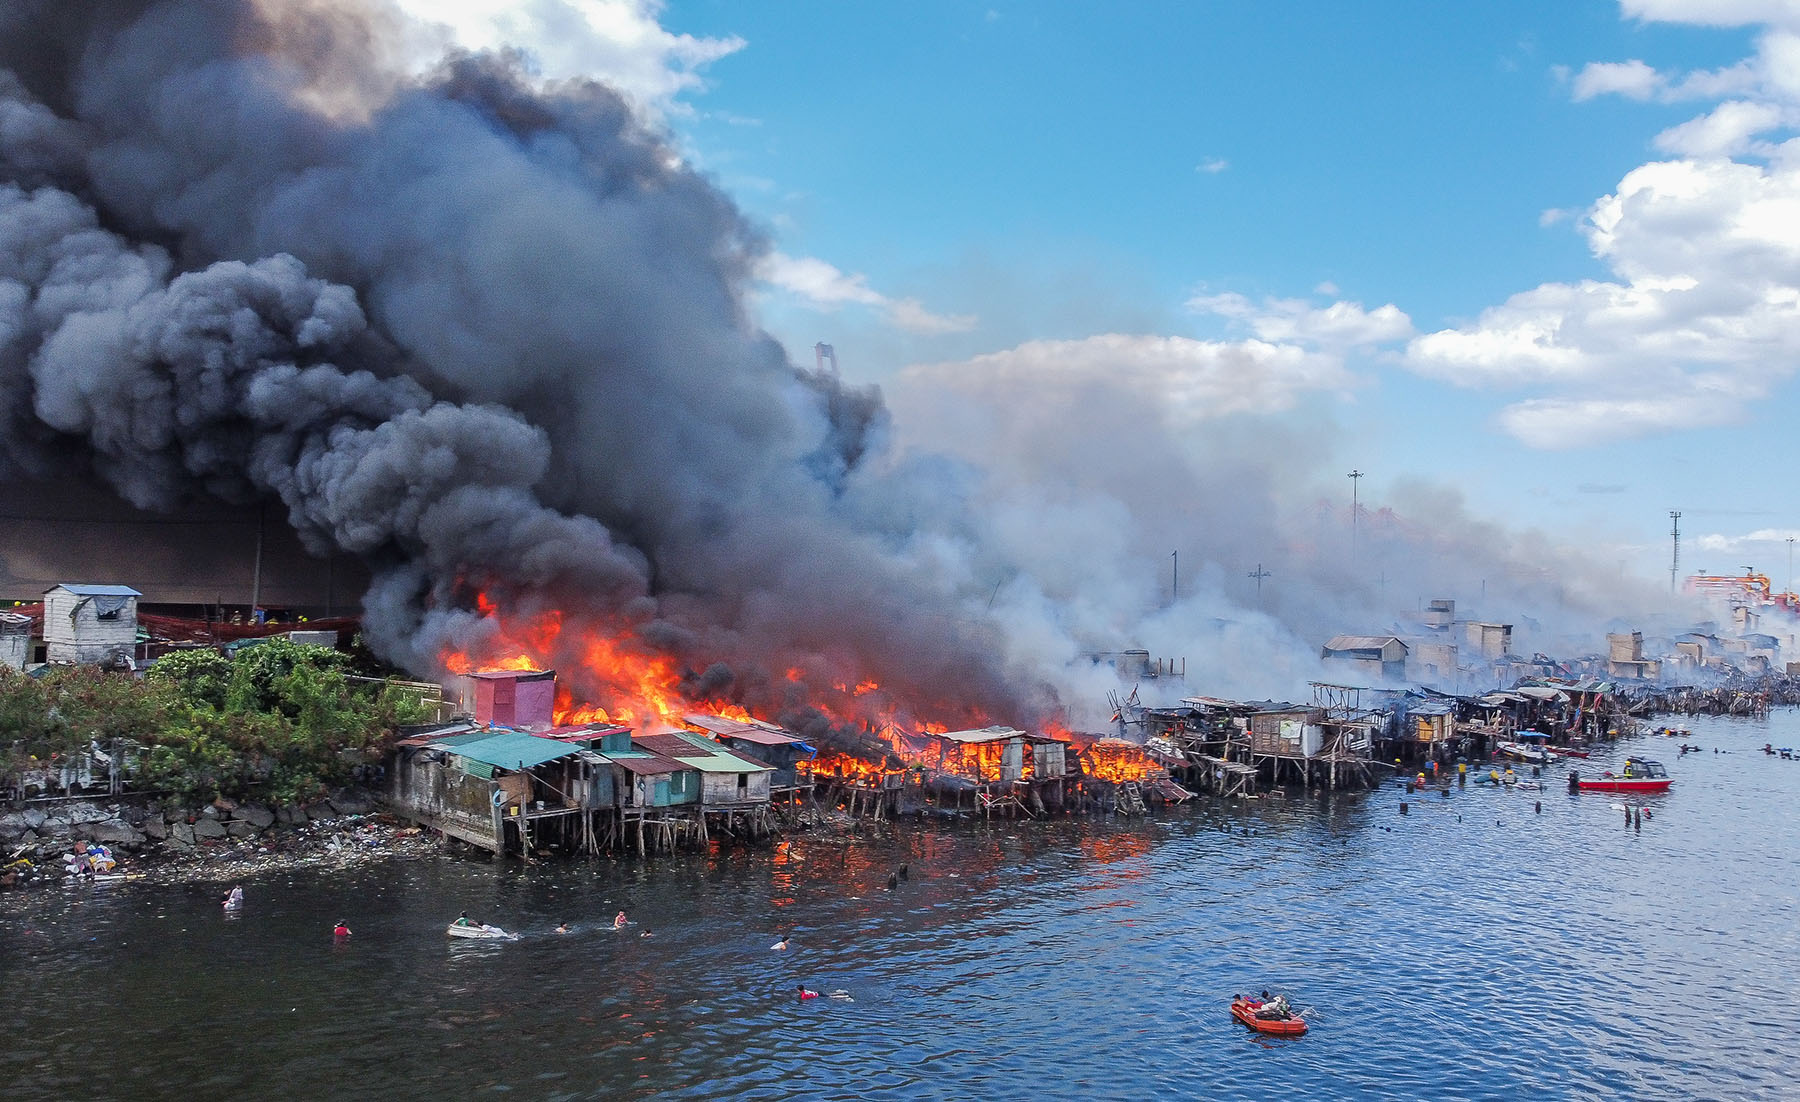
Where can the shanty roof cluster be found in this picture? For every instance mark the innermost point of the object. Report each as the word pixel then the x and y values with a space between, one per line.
pixel 486 749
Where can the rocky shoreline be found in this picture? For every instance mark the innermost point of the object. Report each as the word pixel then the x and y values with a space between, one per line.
pixel 217 842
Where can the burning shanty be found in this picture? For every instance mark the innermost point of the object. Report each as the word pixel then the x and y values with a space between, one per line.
pixel 588 789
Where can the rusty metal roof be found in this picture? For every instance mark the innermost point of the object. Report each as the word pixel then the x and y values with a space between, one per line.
pixel 754 730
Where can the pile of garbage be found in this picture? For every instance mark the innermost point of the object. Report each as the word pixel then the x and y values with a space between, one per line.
pixel 92 840
pixel 328 843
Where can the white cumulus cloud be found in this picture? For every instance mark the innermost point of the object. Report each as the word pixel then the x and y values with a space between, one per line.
pixel 1699 315
pixel 619 41
pixel 825 286
pixel 1632 79
pixel 1339 325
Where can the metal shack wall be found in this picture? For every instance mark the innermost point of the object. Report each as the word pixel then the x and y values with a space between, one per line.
pixel 86 637
pixel 445 797
pixel 1012 760
pixel 15 648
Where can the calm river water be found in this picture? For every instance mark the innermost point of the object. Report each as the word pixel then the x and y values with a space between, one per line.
pixel 1472 949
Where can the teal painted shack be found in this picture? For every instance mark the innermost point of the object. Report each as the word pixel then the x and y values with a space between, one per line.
pixel 501 790
pixel 648 781
pixel 728 781
pixel 784 752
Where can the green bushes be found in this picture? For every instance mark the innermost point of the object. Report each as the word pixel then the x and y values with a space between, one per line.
pixel 280 721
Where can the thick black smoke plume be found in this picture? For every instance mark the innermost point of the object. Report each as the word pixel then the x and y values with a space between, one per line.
pixel 489 335
pixel 485 335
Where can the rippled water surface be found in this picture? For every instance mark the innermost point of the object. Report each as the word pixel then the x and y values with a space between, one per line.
pixel 1474 948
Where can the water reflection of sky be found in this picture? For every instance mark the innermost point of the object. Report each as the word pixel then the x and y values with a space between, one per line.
pixel 1473 948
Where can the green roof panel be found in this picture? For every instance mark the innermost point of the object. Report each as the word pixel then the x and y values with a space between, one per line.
pixel 510 750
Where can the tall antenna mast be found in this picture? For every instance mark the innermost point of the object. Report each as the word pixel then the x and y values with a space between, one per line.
pixel 1355 479
pixel 1675 552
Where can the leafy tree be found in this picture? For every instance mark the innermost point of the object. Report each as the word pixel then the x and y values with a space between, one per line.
pixel 280 720
pixel 200 676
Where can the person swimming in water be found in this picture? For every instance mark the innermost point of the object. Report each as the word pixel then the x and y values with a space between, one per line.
pixel 648 933
pixel 340 930
pixel 234 899
pixel 782 944
pixel 806 993
pixel 562 927
pixel 619 922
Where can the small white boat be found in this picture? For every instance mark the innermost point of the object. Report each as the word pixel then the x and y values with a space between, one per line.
pixel 481 931
pixel 1525 752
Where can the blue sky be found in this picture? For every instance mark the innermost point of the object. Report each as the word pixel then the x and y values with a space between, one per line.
pixel 1166 188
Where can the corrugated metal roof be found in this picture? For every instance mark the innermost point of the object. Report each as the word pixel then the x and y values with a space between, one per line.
pixel 507 749
pixel 754 730
pixel 644 762
pixel 700 753
pixel 985 734
pixel 1362 642
pixel 442 734
pixel 82 589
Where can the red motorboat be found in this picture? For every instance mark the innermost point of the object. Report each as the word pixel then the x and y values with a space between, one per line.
pixel 1567 751
pixel 1244 1010
pixel 1640 775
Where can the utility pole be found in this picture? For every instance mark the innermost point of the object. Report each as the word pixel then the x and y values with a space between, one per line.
pixel 1790 585
pixel 1175 582
pixel 1675 552
pixel 1259 574
pixel 256 571
pixel 1355 479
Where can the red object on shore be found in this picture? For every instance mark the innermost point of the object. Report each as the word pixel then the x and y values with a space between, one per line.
pixel 1567 751
pixel 1280 1027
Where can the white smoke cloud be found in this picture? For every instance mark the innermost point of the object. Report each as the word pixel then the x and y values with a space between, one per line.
pixel 1185 380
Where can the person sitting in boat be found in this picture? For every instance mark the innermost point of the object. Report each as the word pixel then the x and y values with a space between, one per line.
pixel 462 920
pixel 1628 767
pixel 1275 1009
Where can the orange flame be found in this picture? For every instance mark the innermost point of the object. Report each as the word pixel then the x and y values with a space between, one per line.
pixel 1116 760
pixel 607 674
pixel 853 769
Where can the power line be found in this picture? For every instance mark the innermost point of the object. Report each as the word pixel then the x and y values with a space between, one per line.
pixel 146 522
